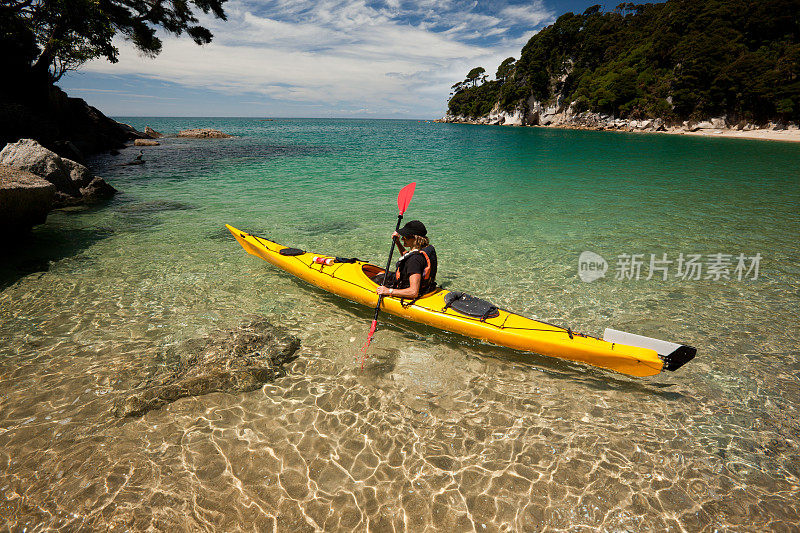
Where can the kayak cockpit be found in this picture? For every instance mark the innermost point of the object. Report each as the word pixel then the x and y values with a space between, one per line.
pixel 371 271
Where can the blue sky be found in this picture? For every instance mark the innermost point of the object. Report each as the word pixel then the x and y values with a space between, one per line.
pixel 330 58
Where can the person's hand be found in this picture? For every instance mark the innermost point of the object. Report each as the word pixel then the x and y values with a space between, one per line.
pixel 395 235
pixel 384 291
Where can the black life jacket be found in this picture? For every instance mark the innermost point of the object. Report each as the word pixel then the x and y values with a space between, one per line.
pixel 428 276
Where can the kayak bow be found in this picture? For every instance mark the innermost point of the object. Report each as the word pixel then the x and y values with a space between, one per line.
pixel 622 352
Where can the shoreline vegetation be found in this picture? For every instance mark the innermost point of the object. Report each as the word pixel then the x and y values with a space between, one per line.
pixel 718 68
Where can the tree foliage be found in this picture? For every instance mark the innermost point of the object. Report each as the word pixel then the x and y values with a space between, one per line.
pixel 67 33
pixel 505 69
pixel 675 60
pixel 475 75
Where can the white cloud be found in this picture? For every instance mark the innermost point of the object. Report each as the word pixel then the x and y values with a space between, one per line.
pixel 533 14
pixel 338 53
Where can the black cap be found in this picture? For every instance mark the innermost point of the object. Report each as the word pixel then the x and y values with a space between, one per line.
pixel 415 227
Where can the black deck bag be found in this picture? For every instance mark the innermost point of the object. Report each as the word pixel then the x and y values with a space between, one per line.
pixel 470 305
pixel 291 251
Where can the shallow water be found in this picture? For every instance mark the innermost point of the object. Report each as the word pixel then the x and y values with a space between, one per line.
pixel 439 431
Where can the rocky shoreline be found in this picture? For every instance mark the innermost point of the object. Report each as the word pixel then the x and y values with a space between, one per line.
pixel 565 116
pixel 34 179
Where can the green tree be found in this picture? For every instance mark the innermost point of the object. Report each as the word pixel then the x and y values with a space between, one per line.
pixel 67 33
pixel 505 69
pixel 475 75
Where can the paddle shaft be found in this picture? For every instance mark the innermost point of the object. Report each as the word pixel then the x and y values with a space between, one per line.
pixel 386 272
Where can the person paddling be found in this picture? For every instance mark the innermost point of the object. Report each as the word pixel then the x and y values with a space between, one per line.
pixel 415 275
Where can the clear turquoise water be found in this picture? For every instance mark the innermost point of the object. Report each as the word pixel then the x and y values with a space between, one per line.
pixel 470 435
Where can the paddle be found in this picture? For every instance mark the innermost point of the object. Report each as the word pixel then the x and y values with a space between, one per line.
pixel 403 199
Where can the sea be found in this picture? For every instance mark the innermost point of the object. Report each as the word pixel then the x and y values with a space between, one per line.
pixel 687 239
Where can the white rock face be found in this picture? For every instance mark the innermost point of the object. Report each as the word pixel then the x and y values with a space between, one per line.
pixel 535 113
pixel 505 118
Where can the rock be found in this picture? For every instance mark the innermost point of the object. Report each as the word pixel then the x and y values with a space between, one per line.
pixel 68 149
pixel 203 133
pixel 150 132
pixel 25 200
pixel 719 123
pixel 146 142
pixel 97 190
pixel 236 360
pixel 27 154
pixel 705 125
pixel 78 174
pixel 69 177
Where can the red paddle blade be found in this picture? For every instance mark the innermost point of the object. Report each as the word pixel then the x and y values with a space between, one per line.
pixel 404 198
pixel 369 340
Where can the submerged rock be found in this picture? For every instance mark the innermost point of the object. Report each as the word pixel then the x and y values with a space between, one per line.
pixel 204 133
pixel 236 360
pixel 146 142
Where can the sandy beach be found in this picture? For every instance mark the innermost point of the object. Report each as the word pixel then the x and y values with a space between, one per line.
pixel 789 135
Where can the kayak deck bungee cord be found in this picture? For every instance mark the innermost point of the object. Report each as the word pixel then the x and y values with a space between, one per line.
pixel 457 312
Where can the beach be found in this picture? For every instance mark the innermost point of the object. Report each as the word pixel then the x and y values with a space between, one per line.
pixel 788 135
pixel 438 431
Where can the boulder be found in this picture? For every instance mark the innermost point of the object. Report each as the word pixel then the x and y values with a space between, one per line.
pixel 27 154
pixel 203 133
pixel 146 142
pixel 97 190
pixel 704 125
pixel 150 132
pixel 25 200
pixel 719 123
pixel 73 181
pixel 78 174
pixel 237 360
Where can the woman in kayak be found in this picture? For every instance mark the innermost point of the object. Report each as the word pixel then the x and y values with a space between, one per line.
pixel 415 275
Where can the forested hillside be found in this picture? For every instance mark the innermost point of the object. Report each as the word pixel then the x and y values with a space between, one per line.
pixel 679 60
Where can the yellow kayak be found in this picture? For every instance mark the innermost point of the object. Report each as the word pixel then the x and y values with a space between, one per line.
pixel 440 309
